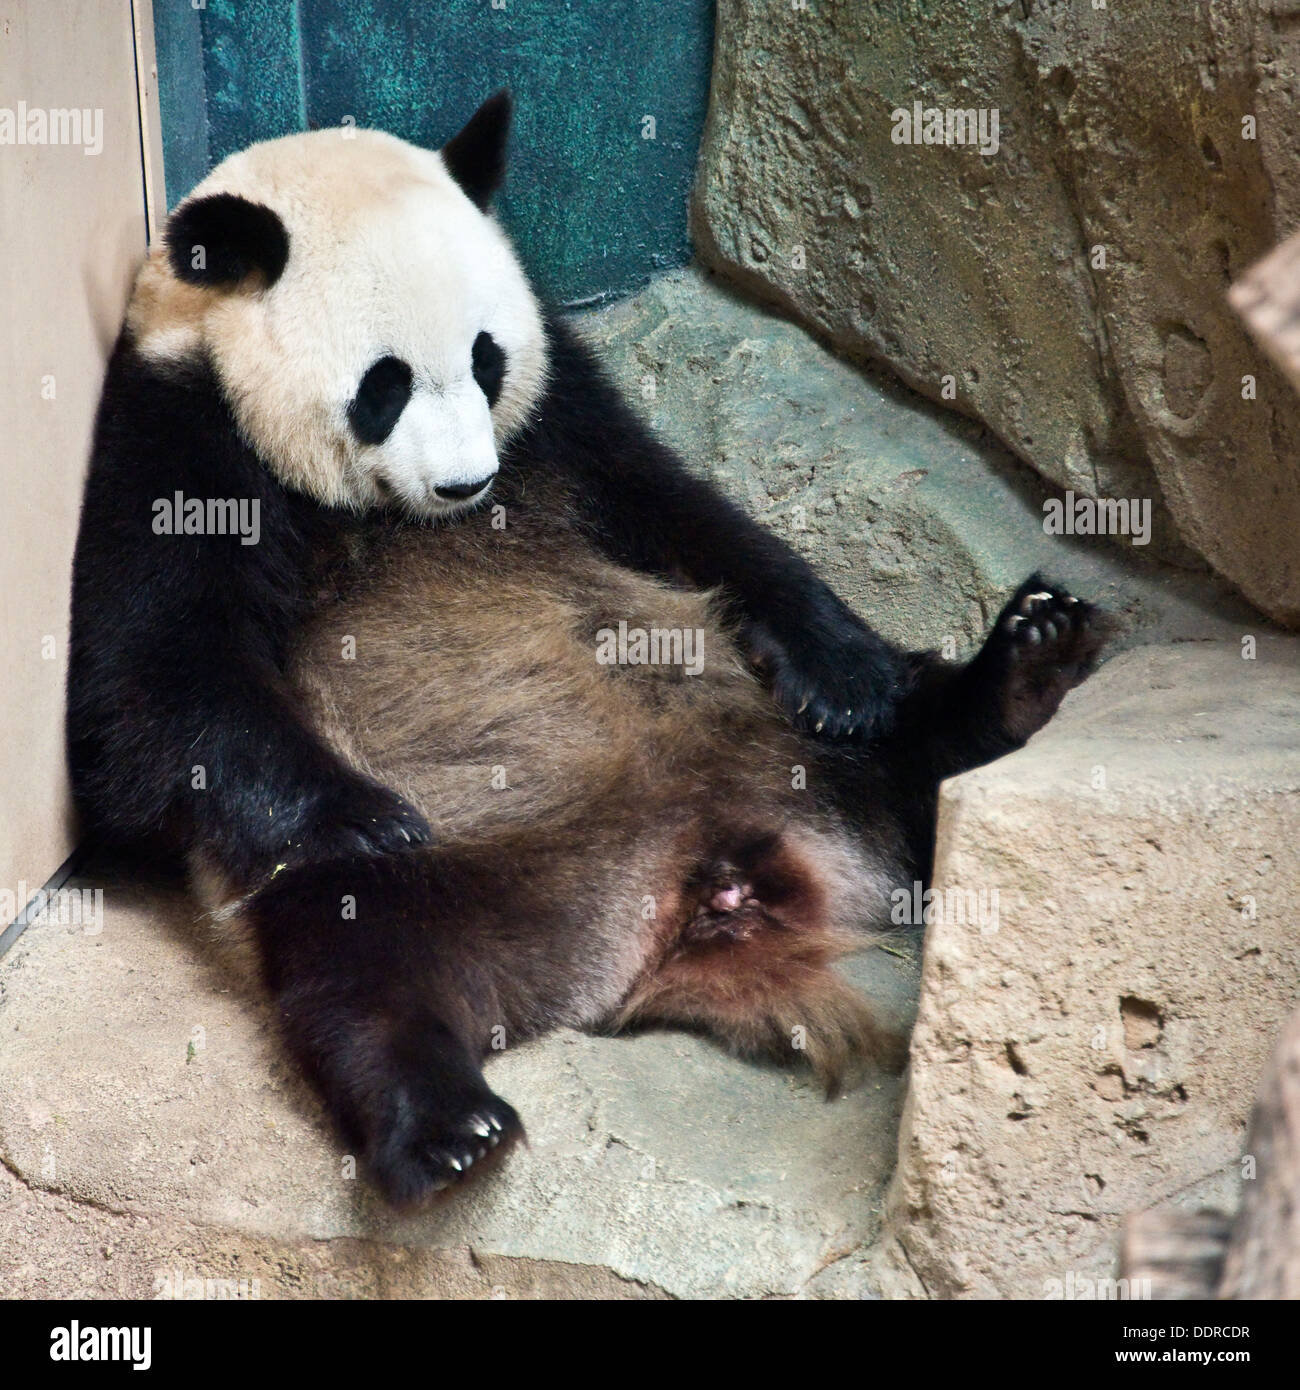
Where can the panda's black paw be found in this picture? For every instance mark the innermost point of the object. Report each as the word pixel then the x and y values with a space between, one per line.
pixel 379 1010
pixel 439 1136
pixel 829 672
pixel 1044 643
pixel 360 817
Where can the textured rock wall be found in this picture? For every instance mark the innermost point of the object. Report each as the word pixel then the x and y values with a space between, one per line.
pixel 1120 134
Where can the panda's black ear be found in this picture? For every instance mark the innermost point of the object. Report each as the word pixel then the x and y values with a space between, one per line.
pixel 476 157
pixel 220 240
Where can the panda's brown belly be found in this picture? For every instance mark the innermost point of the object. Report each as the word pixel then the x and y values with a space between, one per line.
pixel 499 680
pixel 660 807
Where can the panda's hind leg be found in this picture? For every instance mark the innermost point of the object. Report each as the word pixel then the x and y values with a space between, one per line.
pixel 1044 643
pixel 382 1004
pixel 955 718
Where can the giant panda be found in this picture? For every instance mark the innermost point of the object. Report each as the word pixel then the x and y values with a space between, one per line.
pixel 383 735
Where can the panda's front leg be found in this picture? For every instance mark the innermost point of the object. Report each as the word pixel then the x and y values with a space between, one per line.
pixel 276 795
pixel 637 500
pixel 829 672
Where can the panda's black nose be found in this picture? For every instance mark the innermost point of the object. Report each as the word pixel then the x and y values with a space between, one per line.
pixel 458 492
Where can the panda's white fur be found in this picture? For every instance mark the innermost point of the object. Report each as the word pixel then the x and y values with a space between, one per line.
pixel 371 220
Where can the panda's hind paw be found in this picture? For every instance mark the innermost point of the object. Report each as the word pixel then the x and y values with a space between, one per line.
pixel 435 1147
pixel 1044 643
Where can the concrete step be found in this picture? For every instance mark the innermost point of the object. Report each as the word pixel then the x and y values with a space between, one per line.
pixel 1094 1047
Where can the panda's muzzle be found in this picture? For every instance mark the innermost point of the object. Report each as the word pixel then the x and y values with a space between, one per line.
pixel 459 492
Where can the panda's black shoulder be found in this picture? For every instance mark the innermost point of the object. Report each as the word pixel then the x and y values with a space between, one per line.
pixel 165 428
pixel 580 398
pixel 581 409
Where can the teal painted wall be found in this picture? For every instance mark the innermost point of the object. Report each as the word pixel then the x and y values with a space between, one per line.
pixel 594 206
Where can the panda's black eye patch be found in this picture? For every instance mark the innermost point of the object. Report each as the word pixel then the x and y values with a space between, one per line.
pixel 489 366
pixel 380 400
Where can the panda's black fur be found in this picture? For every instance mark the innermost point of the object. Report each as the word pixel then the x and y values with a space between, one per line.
pixel 206 720
pixel 179 642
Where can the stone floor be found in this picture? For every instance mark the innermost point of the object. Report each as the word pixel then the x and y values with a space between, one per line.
pixel 143 1098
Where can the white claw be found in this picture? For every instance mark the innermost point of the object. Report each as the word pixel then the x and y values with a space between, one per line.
pixel 494 1122
pixel 456 1164
pixel 804 706
pixel 1070 600
pixel 480 1129
pixel 1014 621
pixel 819 726
pixel 405 836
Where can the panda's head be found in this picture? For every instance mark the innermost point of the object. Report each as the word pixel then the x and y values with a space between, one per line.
pixel 372 330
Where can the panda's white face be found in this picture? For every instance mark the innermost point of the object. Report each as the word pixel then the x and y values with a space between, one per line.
pixel 396 351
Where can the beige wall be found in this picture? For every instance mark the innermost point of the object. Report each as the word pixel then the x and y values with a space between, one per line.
pixel 72 230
